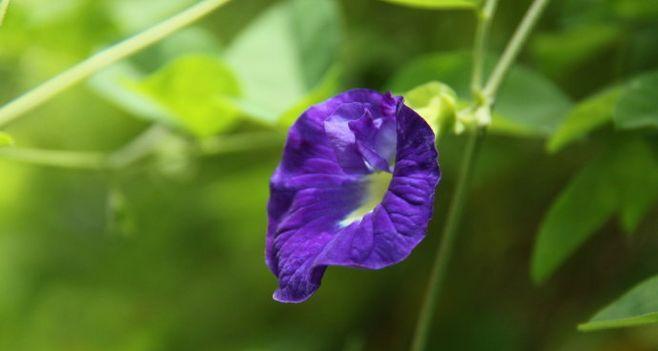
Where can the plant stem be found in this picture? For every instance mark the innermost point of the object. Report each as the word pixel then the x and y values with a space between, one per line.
pixel 444 250
pixel 239 142
pixel 485 15
pixel 447 242
pixel 57 158
pixel 514 46
pixel 95 63
pixel 138 148
pixel 4 4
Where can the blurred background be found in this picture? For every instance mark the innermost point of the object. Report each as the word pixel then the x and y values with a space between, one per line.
pixel 166 251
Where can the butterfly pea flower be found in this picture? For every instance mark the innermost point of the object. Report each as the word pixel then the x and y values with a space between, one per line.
pixel 355 188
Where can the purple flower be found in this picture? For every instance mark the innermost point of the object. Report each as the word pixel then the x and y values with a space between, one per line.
pixel 355 188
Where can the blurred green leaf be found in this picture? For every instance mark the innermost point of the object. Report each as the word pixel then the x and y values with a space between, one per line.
pixel 637 307
pixel 632 105
pixel 586 116
pixel 528 104
pixel 623 179
pixel 635 9
pixel 116 85
pixel 194 40
pixel 638 188
pixel 136 15
pixel 561 52
pixel 6 140
pixel 436 4
pixel 436 103
pixel 529 101
pixel 581 208
pixel 284 54
pixel 638 104
pixel 198 91
pixel 451 68
pixel 328 87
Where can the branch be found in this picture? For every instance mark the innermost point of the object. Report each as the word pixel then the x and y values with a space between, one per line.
pixel 514 46
pixel 4 4
pixel 57 158
pixel 95 63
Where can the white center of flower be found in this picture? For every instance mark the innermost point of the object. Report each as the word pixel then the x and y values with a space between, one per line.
pixel 377 186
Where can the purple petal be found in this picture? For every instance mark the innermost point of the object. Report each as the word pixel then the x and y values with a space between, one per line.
pixel 331 154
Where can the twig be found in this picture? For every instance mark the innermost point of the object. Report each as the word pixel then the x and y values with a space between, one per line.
pixel 450 231
pixel 140 147
pixel 484 23
pixel 56 158
pixel 95 63
pixel 4 5
pixel 514 46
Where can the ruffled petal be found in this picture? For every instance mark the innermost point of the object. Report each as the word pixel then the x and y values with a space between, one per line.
pixel 323 177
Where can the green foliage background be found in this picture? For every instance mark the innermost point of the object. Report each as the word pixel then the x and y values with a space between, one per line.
pixel 167 254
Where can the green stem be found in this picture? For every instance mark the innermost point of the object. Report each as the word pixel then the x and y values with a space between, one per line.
pixel 239 142
pixel 140 147
pixel 514 46
pixel 56 158
pixel 485 16
pixel 446 244
pixel 444 251
pixel 4 4
pixel 450 231
pixel 95 63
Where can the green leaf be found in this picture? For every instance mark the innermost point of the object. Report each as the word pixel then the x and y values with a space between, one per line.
pixel 131 16
pixel 624 180
pixel 638 104
pixel 436 4
pixel 328 87
pixel 561 52
pixel 529 101
pixel 637 307
pixel 194 40
pixel 632 105
pixel 638 185
pixel 635 9
pixel 6 140
pixel 580 209
pixel 116 85
pixel 588 115
pixel 284 54
pixel 436 103
pixel 197 91
pixel 528 104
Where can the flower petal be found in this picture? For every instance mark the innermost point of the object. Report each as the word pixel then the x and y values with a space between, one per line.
pixel 323 177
